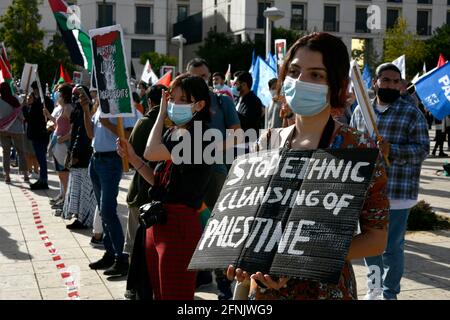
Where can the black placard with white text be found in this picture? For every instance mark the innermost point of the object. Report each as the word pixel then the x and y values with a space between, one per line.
pixel 288 212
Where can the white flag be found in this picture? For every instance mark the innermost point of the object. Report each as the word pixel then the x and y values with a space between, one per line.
pixel 148 75
pixel 401 64
pixel 28 76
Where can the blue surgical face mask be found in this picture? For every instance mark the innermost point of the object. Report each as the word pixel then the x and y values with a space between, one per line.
pixel 55 96
pixel 180 114
pixel 218 86
pixel 305 98
pixel 235 91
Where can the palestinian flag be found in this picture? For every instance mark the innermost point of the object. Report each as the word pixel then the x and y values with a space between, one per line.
pixel 77 41
pixel 5 75
pixel 166 79
pixel 5 57
pixel 63 76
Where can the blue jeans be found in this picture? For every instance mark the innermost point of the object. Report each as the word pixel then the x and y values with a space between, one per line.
pixel 105 173
pixel 40 149
pixel 387 270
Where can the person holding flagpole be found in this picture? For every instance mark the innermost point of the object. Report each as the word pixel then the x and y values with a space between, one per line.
pixel 405 133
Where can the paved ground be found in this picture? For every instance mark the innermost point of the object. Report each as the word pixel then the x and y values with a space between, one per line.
pixel 34 260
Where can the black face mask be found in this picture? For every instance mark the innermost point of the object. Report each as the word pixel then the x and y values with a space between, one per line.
pixel 388 95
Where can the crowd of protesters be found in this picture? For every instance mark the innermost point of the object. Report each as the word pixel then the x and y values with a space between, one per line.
pixel 312 107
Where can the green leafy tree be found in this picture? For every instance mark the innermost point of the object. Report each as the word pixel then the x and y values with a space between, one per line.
pixel 399 41
pixel 158 60
pixel 50 59
pixel 21 34
pixel 436 45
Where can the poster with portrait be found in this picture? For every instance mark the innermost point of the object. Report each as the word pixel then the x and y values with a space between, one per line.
pixel 111 72
pixel 280 49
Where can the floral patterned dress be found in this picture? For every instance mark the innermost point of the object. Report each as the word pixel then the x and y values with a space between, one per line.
pixel 374 214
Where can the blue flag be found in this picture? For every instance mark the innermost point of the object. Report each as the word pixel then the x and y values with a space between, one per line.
pixel 262 73
pixel 253 62
pixel 367 77
pixel 271 61
pixel 434 91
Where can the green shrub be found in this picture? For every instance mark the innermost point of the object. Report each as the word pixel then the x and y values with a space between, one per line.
pixel 422 217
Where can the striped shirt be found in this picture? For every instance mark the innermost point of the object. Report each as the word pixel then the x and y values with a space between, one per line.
pixel 405 128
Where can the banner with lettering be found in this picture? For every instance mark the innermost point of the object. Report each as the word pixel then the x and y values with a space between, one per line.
pixel 288 213
pixel 111 72
pixel 433 90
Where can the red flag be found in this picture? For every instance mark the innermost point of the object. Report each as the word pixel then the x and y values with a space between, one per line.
pixel 63 75
pixel 441 61
pixel 166 79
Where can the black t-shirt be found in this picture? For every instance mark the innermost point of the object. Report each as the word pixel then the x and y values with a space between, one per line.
pixel 36 124
pixel 80 144
pixel 188 180
pixel 250 109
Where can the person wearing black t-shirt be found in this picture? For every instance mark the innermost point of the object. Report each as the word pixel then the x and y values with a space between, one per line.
pixel 250 108
pixel 178 182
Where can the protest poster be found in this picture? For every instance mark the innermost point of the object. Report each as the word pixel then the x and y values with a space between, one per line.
pixel 28 77
pixel 77 77
pixel 288 213
pixel 280 49
pixel 164 69
pixel 111 72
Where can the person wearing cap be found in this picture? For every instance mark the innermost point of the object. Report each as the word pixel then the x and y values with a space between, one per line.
pixel 404 133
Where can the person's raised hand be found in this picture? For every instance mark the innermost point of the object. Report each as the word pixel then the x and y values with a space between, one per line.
pixel 124 148
pixel 84 102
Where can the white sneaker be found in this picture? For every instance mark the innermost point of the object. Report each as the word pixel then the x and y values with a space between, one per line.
pixel 374 294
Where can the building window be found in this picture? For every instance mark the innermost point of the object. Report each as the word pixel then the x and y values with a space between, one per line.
pixel 395 1
pixel 423 23
pixel 448 18
pixel 391 17
pixel 105 15
pixel 138 47
pixel 144 20
pixel 425 1
pixel 183 12
pixel 262 6
pixel 298 15
pixel 361 21
pixel 330 21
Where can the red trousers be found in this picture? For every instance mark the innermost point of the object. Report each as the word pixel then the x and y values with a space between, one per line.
pixel 169 249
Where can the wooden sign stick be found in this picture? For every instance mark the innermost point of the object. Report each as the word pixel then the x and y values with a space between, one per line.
pixel 366 105
pixel 121 133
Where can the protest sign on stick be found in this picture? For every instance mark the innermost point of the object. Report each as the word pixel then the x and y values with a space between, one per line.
pixel 364 104
pixel 28 77
pixel 111 76
pixel 288 213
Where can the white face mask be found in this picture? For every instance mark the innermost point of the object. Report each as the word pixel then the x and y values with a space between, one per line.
pixel 273 93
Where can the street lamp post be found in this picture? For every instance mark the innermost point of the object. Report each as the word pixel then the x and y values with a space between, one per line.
pixel 271 14
pixel 179 41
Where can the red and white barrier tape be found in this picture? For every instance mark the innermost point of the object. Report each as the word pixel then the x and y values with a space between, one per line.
pixel 69 282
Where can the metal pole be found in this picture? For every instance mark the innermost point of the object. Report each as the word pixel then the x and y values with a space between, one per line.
pixel 268 36
pixel 180 56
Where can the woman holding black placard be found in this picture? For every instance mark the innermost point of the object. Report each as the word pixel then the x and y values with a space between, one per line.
pixel 314 80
